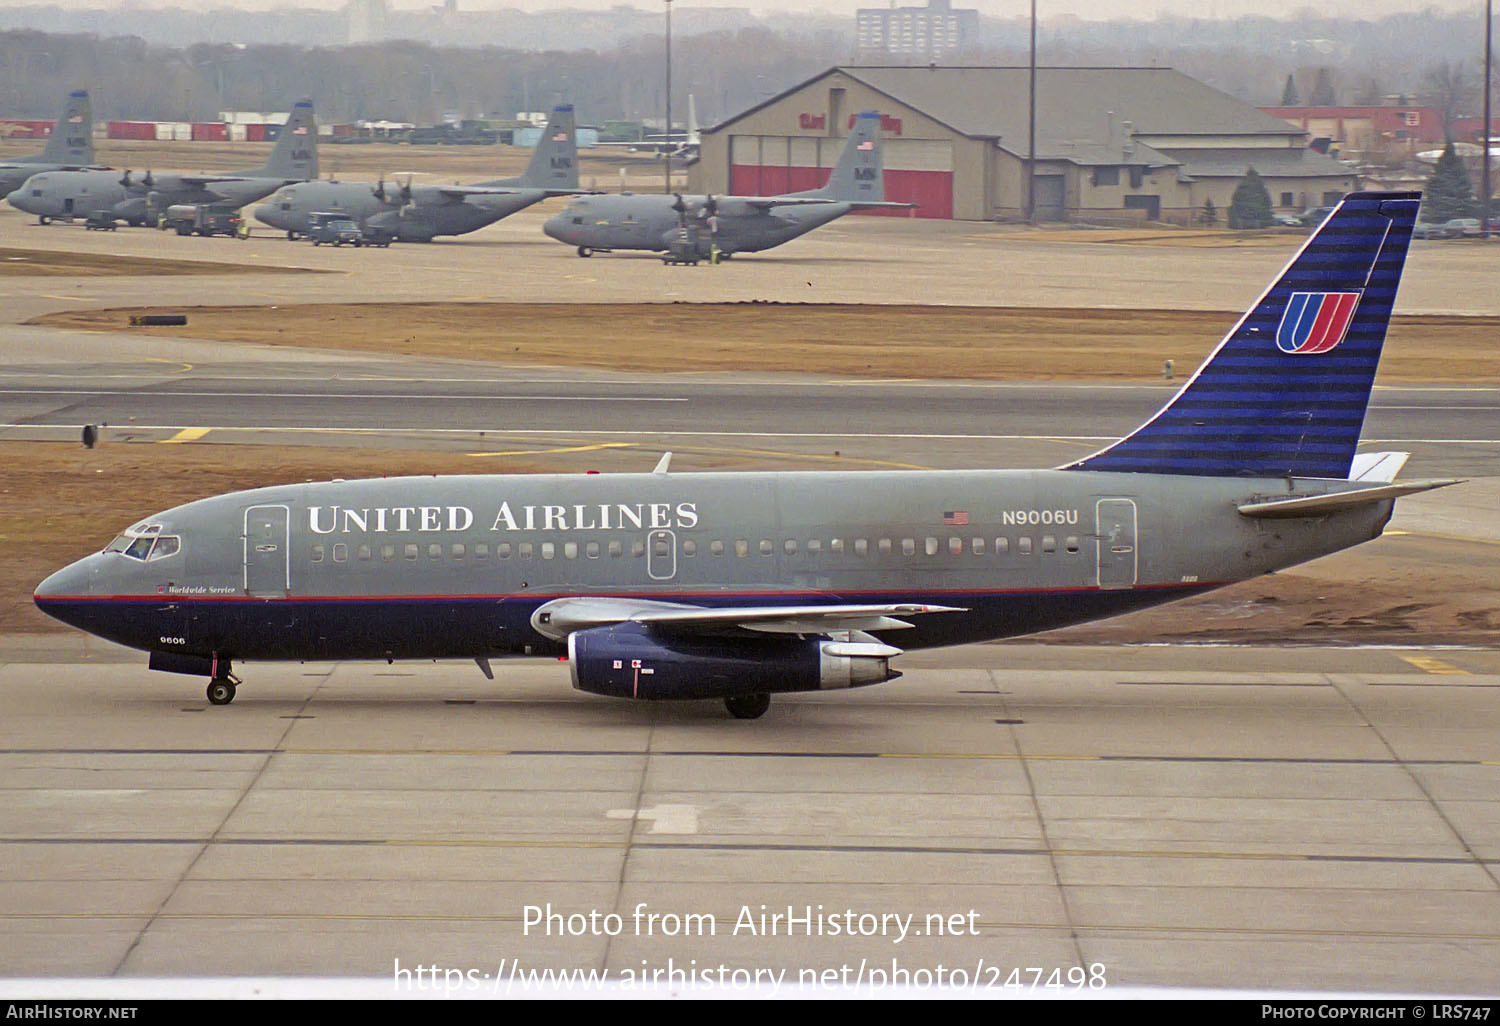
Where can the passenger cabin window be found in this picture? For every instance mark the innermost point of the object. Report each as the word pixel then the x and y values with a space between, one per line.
pixel 1071 544
pixel 716 548
pixel 689 547
pixel 570 550
pixel 1049 543
pixel 502 550
pixel 434 551
pixel 908 546
pixel 1002 546
pixel 410 552
pixel 340 553
pixel 364 553
pixel 317 553
pixel 591 550
pixel 387 553
pixel 1023 546
pixel 765 547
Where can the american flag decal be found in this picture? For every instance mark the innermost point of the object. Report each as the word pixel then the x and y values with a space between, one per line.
pixel 300 130
pixel 560 137
pixel 866 145
pixel 956 518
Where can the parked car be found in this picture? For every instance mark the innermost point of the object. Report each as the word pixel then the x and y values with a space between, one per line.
pixel 1461 227
pixel 1426 230
pixel 1314 216
pixel 1287 220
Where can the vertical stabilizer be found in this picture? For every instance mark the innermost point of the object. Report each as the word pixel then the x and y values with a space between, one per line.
pixel 295 156
pixel 72 140
pixel 858 177
pixel 554 163
pixel 1285 393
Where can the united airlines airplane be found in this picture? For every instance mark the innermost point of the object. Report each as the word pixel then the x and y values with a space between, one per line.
pixel 738 586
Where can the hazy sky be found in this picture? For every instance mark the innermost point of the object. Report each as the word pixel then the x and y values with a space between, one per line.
pixel 1090 9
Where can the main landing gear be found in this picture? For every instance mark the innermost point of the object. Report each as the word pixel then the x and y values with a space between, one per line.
pixel 221 689
pixel 748 707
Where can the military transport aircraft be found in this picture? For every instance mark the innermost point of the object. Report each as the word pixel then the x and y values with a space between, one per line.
pixel 701 227
pixel 737 586
pixel 139 199
pixel 70 146
pixel 419 213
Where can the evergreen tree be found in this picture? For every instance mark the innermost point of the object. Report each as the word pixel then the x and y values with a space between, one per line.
pixel 1210 212
pixel 1250 207
pixel 1289 97
pixel 1449 192
pixel 1322 94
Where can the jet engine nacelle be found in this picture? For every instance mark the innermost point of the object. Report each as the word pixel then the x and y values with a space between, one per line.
pixel 629 660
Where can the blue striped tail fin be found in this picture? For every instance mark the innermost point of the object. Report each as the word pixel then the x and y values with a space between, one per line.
pixel 1285 393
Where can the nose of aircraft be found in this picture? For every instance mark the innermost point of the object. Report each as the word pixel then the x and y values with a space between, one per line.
pixel 557 226
pixel 266 214
pixel 20 200
pixel 74 581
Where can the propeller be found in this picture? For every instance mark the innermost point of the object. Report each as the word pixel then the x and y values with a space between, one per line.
pixel 148 181
pixel 125 178
pixel 710 206
pixel 379 189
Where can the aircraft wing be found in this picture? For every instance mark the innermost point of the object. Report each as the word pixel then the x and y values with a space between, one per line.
pixel 562 617
pixel 458 192
pixel 767 202
pixel 202 180
pixel 1318 505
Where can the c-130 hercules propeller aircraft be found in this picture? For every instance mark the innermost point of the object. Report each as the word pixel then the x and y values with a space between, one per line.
pixel 738 586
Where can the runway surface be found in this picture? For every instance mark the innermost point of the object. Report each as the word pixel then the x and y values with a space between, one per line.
pixel 1450 431
pixel 1326 821
pixel 1296 819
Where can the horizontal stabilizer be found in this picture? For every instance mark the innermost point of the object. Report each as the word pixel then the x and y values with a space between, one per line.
pixel 1381 467
pixel 1318 505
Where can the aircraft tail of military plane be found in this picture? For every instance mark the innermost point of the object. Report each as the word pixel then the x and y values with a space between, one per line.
pixel 859 175
pixel 72 139
pixel 294 158
pixel 1285 393
pixel 554 162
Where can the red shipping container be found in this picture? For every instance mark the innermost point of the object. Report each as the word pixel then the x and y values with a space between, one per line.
pixel 255 133
pixel 132 129
pixel 210 131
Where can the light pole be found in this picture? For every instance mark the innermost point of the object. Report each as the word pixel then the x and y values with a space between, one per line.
pixel 1031 128
pixel 667 151
pixel 1484 170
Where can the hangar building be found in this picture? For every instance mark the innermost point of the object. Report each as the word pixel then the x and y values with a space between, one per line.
pixel 1112 144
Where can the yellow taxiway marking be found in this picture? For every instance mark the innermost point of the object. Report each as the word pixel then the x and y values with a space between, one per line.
pixel 186 435
pixel 571 448
pixel 184 366
pixel 1431 665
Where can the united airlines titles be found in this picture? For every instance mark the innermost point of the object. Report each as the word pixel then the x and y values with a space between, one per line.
pixel 618 516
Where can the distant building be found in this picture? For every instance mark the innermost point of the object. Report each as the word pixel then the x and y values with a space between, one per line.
pixel 366 20
pixel 1392 129
pixel 917 33
pixel 1113 145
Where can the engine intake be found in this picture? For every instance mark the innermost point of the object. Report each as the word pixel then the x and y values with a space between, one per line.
pixel 629 660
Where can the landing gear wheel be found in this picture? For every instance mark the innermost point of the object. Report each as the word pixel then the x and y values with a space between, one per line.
pixel 584 251
pixel 44 220
pixel 748 707
pixel 220 692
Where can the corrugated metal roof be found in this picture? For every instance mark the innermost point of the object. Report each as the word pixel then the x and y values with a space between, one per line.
pixel 1073 107
pixel 1073 104
pixel 1301 163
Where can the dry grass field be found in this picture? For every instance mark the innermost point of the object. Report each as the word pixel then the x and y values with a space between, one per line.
pixel 946 342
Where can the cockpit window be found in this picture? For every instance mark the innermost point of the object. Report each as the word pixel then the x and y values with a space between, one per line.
pixel 138 541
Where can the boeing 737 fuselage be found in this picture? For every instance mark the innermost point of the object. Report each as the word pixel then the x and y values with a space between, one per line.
pixel 737 586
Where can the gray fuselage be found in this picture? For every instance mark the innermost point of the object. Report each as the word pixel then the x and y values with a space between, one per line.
pixel 648 222
pixel 455 566
pixel 428 214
